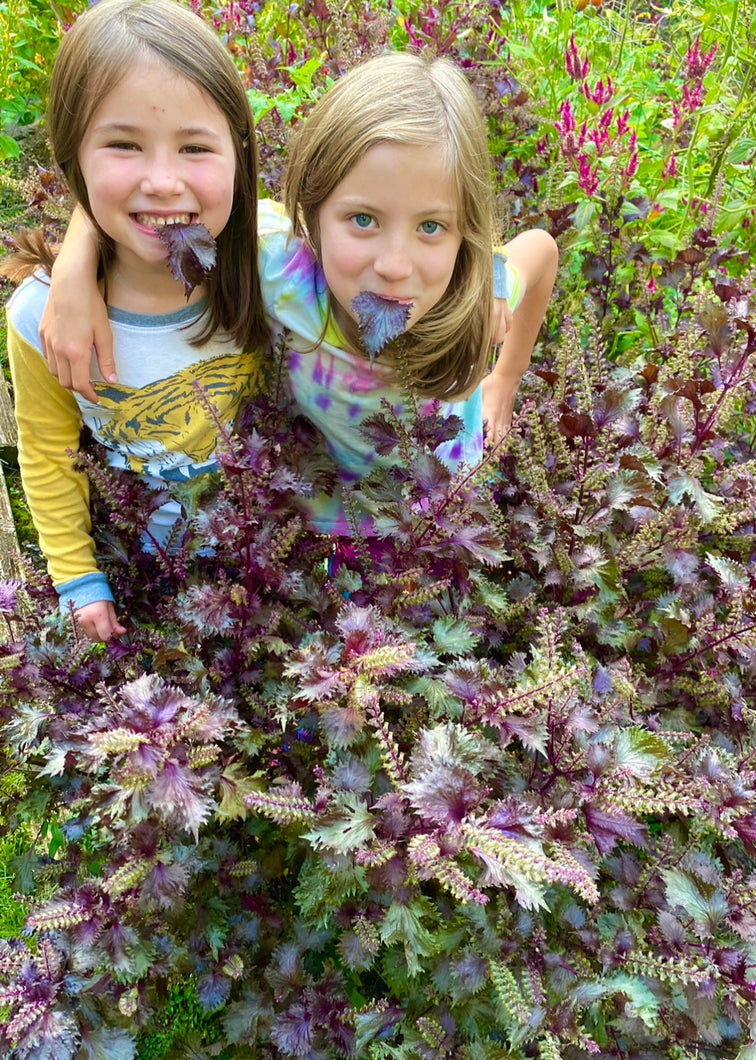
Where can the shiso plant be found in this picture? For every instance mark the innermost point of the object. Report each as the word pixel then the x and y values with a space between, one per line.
pixel 485 791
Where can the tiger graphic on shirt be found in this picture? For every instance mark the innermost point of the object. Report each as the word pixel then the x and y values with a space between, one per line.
pixel 169 428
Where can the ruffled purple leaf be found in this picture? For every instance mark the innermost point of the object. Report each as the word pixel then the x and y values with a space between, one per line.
pixel 608 828
pixel 191 253
pixel 381 434
pixel 380 320
pixel 212 990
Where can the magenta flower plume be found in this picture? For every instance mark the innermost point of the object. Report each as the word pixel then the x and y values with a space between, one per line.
pixel 191 253
pixel 380 320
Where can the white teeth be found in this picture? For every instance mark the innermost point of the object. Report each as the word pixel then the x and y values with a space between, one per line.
pixel 150 221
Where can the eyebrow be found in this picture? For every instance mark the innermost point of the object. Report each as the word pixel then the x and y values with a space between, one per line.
pixel 433 209
pixel 127 129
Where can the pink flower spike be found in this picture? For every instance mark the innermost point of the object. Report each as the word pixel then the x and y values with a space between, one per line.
pixel 623 123
pixel 575 68
pixel 601 94
pixel 697 64
pixel 567 124
pixel 670 167
pixel 587 177
pixel 606 120
pixel 632 166
pixel 692 100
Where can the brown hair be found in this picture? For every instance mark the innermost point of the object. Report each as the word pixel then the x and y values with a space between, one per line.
pixel 94 55
pixel 399 97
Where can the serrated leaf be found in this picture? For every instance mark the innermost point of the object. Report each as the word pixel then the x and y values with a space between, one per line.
pixel 639 752
pixel 708 910
pixel 380 320
pixel 191 253
pixel 345 832
pixel 452 637
pixel 732 574
pixel 115 1044
pixel 402 924
pixel 642 999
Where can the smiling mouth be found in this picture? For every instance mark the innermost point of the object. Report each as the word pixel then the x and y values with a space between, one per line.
pixel 151 220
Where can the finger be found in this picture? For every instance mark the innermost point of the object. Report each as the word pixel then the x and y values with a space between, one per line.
pixel 103 341
pixel 116 629
pixel 82 384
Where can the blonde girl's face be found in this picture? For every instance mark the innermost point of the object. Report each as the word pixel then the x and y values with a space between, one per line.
pixel 157 151
pixel 391 228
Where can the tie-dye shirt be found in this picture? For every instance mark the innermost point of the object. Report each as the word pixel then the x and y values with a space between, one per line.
pixel 337 389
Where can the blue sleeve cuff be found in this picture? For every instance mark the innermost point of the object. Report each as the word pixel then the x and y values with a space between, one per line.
pixel 501 277
pixel 88 589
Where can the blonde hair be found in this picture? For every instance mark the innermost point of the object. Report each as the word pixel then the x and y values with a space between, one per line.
pixel 399 97
pixel 94 56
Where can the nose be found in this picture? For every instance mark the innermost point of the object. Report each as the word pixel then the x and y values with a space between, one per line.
pixel 393 260
pixel 161 177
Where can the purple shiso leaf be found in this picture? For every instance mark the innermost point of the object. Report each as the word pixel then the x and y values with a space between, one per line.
pixel 380 320
pixel 191 253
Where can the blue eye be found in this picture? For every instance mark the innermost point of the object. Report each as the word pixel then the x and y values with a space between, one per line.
pixel 430 228
pixel 362 220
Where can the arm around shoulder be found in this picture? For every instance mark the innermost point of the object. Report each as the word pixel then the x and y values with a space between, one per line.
pixel 75 318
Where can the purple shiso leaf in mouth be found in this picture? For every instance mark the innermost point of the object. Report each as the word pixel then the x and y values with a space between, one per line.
pixel 191 253
pixel 380 320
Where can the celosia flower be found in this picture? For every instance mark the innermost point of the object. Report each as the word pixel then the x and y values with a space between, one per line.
pixel 692 99
pixel 575 67
pixel 587 177
pixel 670 167
pixel 601 94
pixel 697 64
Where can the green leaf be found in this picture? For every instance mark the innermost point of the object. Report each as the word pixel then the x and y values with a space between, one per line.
pixel 681 484
pixel 453 637
pixel 584 214
pixel 302 75
pixel 642 1000
pixel 733 575
pixel 742 151
pixel 260 103
pixel 402 924
pixel 640 753
pixel 8 147
pixel 707 909
pixel 344 833
pixel 436 694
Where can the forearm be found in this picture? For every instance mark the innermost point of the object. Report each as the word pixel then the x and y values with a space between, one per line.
pixel 49 424
pixel 75 318
pixel 534 255
pixel 79 253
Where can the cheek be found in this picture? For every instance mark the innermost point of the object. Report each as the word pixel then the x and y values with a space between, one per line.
pixel 218 196
pixel 344 258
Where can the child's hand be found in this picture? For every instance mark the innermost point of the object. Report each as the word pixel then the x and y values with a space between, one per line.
pixel 67 339
pixel 99 622
pixel 499 395
pixel 502 319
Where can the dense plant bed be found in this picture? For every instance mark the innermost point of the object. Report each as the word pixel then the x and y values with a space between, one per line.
pixel 486 791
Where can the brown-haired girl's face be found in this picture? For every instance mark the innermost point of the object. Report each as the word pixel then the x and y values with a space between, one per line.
pixel 391 227
pixel 157 151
